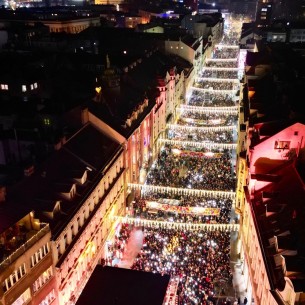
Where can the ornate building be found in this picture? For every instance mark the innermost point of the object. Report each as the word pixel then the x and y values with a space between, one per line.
pixel 271 205
pixel 74 196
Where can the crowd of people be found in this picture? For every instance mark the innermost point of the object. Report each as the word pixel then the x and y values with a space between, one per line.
pixel 221 63
pixel 193 118
pixel 222 136
pixel 225 53
pixel 198 260
pixel 215 85
pixel 116 249
pixel 194 171
pixel 211 99
pixel 142 209
pixel 220 74
pixel 230 38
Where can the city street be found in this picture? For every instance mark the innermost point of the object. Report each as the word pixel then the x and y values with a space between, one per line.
pixel 183 220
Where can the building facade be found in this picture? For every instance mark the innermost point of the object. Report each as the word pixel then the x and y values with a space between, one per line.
pixel 27 272
pixel 270 197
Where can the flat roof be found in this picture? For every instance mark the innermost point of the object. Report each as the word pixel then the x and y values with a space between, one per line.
pixel 118 286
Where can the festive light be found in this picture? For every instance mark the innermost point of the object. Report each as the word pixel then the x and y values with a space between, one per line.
pixel 218 110
pixel 224 46
pixel 217 80
pixel 208 145
pixel 219 69
pixel 182 191
pixel 215 90
pixel 192 128
pixel 178 225
pixel 221 59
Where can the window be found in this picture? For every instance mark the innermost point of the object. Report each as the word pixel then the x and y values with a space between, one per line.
pixel 281 144
pixel 43 278
pixel 35 85
pixel 24 298
pixel 14 278
pixel 49 298
pixel 4 87
pixel 23 88
pixel 32 87
pixel 40 254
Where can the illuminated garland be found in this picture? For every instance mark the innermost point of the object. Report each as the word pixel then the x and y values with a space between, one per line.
pixel 192 128
pixel 224 46
pixel 207 145
pixel 214 90
pixel 219 69
pixel 221 59
pixel 182 191
pixel 178 225
pixel 224 110
pixel 218 80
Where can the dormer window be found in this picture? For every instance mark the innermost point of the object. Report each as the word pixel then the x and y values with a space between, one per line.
pixel 281 144
pixel 84 177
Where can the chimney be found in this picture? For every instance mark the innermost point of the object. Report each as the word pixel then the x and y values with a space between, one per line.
pixel 2 193
pixel 85 116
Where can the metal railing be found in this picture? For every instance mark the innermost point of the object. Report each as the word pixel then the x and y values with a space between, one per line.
pixel 24 247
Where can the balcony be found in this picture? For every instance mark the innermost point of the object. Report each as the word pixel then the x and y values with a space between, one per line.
pixel 16 241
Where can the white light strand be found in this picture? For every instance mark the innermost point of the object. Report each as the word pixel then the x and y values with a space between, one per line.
pixel 214 90
pixel 182 191
pixel 207 145
pixel 178 225
pixel 218 80
pixel 218 110
pixel 221 59
pixel 208 129
pixel 219 69
pixel 224 46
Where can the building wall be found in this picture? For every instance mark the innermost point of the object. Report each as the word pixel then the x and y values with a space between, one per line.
pixel 30 278
pixel 156 29
pixel 181 49
pixel 70 26
pixel 251 252
pixel 159 119
pixel 81 245
pixel 253 260
pixel 186 52
pixel 297 35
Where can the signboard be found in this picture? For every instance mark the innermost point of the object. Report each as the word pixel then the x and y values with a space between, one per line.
pixel 153 205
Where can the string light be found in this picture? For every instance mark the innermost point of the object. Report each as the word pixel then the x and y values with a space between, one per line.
pixel 215 90
pixel 219 69
pixel 217 80
pixel 178 225
pixel 182 191
pixel 208 145
pixel 218 110
pixel 224 46
pixel 208 60
pixel 193 128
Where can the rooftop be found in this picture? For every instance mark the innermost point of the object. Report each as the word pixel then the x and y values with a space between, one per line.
pixel 138 83
pixel 278 206
pixel 49 191
pixel 117 286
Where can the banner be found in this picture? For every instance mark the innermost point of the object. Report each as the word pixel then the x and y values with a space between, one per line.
pixel 153 205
